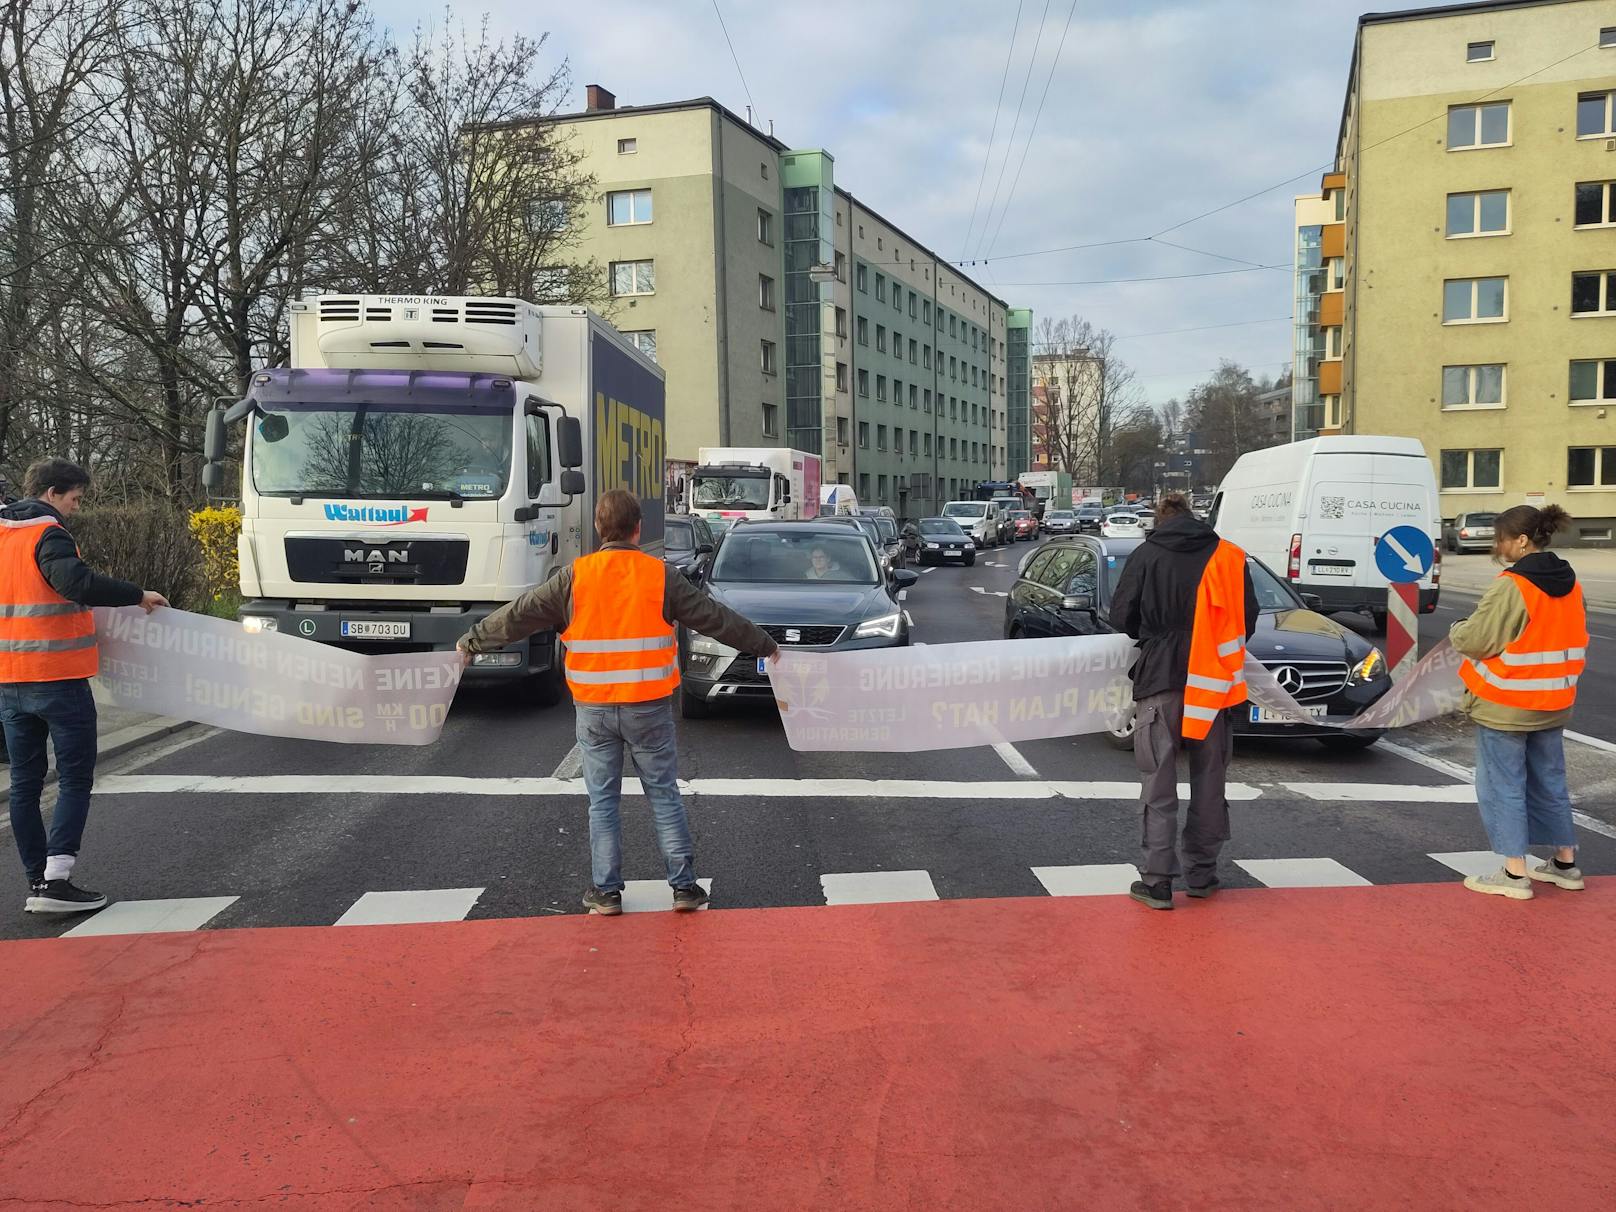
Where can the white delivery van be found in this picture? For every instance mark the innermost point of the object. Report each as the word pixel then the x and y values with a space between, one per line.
pixel 1313 511
pixel 837 499
pixel 981 520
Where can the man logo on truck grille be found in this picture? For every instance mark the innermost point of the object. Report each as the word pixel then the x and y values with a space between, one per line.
pixel 376 560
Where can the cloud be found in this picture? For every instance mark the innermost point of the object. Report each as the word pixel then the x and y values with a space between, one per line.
pixel 1157 112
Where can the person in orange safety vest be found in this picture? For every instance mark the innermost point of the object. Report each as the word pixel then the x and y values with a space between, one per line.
pixel 1525 647
pixel 616 611
pixel 1187 597
pixel 47 658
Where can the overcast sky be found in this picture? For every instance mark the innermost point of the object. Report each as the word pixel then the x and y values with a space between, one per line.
pixel 1156 112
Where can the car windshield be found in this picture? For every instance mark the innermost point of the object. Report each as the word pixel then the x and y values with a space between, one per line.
pixel 888 529
pixel 731 491
pixel 965 509
pixel 1126 519
pixel 1271 591
pixel 719 526
pixel 1021 515
pixel 1478 519
pixel 381 450
pixel 775 556
pixel 678 536
pixel 1059 515
pixel 945 528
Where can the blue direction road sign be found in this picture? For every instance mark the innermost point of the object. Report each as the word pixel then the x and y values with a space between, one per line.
pixel 1404 554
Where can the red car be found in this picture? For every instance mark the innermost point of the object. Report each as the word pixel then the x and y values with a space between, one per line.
pixel 1026 524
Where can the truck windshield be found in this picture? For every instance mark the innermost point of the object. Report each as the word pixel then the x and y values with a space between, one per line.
pixel 381 450
pixel 744 491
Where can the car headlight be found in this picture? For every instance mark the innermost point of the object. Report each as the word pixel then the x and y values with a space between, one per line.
pixel 886 627
pixel 933 546
pixel 710 647
pixel 1371 667
pixel 257 623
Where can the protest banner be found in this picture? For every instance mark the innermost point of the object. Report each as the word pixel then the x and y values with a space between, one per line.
pixel 195 667
pixel 948 696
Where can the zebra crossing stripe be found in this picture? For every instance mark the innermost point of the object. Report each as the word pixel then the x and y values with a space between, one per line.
pixel 153 917
pixel 1302 873
pixel 877 887
pixel 410 907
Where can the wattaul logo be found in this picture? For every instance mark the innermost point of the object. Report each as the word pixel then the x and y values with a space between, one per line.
pixel 376 515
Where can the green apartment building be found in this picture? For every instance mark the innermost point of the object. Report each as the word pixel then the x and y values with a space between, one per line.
pixel 786 312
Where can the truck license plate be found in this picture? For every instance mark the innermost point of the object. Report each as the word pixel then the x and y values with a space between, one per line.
pixel 375 629
pixel 1267 715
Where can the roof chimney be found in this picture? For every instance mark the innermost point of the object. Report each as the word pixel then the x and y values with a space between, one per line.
pixel 599 98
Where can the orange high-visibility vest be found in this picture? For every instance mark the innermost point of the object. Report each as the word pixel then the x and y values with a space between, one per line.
pixel 43 636
pixel 1218 642
pixel 1538 670
pixel 619 647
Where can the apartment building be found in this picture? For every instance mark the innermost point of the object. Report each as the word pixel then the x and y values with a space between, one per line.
pixel 786 312
pixel 1313 281
pixel 1065 391
pixel 1470 272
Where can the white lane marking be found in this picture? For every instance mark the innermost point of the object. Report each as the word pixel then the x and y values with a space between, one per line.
pixel 153 917
pixel 445 785
pixel 1013 759
pixel 1470 862
pixel 994 593
pixel 1593 742
pixel 1429 761
pixel 903 595
pixel 1393 793
pixel 1302 873
pixel 571 764
pixel 653 896
pixel 877 887
pixel 1089 879
pixel 1593 824
pixel 401 908
pixel 928 568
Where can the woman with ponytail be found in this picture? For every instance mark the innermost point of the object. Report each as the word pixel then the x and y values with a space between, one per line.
pixel 1525 648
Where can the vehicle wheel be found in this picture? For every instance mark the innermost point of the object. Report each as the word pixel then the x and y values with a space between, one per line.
pixel 1348 743
pixel 1377 619
pixel 1013 632
pixel 1453 547
pixel 1122 738
pixel 693 707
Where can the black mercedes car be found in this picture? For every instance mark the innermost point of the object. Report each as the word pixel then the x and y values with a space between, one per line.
pixel 1065 589
pixel 816 584
pixel 688 544
pixel 941 541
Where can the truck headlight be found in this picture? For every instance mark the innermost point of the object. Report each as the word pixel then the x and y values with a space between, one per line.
pixel 498 660
pixel 255 624
pixel 1371 667
pixel 886 627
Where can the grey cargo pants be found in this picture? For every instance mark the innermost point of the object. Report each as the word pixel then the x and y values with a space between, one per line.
pixel 1156 744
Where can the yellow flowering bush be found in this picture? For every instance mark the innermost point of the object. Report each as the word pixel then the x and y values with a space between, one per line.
pixel 215 531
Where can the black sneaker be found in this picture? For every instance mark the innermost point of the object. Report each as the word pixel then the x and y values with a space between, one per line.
pixel 607 904
pixel 61 896
pixel 1155 896
pixel 1202 891
pixel 687 900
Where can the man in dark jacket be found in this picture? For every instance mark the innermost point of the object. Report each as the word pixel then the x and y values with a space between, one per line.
pixel 1155 604
pixel 47 657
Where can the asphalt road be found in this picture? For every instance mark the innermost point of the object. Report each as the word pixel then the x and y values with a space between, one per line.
pixel 249 831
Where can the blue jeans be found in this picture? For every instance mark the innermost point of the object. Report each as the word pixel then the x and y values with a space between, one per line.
pixel 647 730
pixel 1521 788
pixel 65 713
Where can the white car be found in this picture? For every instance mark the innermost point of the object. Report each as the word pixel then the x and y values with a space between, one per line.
pixel 1147 519
pixel 1121 526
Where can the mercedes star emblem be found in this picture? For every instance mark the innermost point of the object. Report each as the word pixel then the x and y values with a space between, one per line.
pixel 1289 678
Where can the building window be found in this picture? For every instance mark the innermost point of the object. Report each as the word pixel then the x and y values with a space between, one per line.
pixel 1473 300
pixel 913 308
pixel 1478 126
pixel 1335 273
pixel 765 227
pixel 645 341
pixel 881 390
pixel 864 485
pixel 926 356
pixel 914 396
pixel 861 278
pixel 767 359
pixel 841 376
pixel 881 488
pixel 953 326
pixel 771 420
pixel 914 442
pixel 863 331
pixel 633 277
pixel 881 287
pixel 763 169
pixel 1594 115
pixel 925 399
pixel 864 433
pixel 841 431
pixel 925 311
pixel 627 147
pixel 1596 204
pixel 765 292
pixel 953 367
pixel 864 383
pixel 1593 382
pixel 1479 214
pixel 953 448
pixel 1332 412
pixel 626 207
pixel 897 298
pixel 881 337
pixel 1607 36
pixel 897 392
pixel 841 322
pixel 1594 294
pixel 926 444
pixel 897 344
pixel 880 437
pixel 1591 466
pixel 1479 52
pixel 914 351
pixel 1462 469
pixel 1473 386
pixel 841 267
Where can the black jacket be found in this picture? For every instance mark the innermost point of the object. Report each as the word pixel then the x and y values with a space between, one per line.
pixel 58 558
pixel 1547 571
pixel 1155 601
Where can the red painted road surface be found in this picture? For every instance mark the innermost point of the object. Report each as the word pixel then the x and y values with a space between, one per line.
pixel 1410 1046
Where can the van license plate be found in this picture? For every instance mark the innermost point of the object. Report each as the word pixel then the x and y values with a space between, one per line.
pixel 375 629
pixel 1267 715
pixel 1330 570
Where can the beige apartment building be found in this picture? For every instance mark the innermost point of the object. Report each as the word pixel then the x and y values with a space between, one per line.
pixel 1467 279
pixel 786 312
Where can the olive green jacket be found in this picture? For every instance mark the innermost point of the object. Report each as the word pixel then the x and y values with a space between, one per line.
pixel 1499 619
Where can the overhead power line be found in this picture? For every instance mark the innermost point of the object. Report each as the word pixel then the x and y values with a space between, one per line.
pixel 1171 332
pixel 987 157
pixel 1015 124
pixel 1211 273
pixel 737 59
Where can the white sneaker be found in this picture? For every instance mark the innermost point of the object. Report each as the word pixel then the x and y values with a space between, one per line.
pixel 1500 883
pixel 1569 878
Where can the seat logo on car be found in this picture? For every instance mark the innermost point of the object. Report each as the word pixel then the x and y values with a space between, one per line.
pixel 1289 678
pixel 793 636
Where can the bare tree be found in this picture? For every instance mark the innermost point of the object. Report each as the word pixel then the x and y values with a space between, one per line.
pixel 1223 411
pixel 1088 392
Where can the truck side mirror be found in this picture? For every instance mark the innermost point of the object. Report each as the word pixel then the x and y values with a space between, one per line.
pixel 572 482
pixel 215 441
pixel 569 444
pixel 212 476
